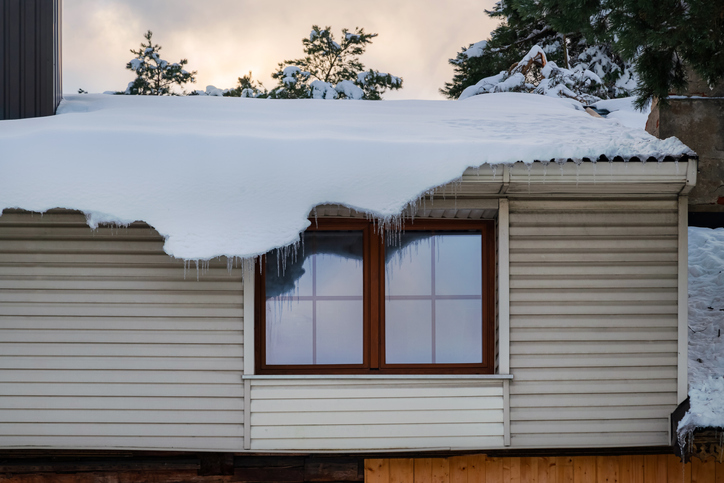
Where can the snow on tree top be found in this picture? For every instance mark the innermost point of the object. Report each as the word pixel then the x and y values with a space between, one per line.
pixel 239 177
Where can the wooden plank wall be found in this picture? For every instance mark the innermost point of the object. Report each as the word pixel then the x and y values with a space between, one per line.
pixel 557 469
pixel 105 344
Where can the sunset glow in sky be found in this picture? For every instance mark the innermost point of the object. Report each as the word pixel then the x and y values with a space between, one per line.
pixel 224 39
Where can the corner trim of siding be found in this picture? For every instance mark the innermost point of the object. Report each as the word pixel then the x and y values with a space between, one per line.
pixel 504 286
pixel 683 269
pixel 249 312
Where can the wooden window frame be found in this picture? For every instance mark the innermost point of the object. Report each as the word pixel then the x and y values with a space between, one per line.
pixel 374 305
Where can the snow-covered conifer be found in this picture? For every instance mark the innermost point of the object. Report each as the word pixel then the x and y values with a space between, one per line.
pixel 155 76
pixel 332 70
pixel 247 87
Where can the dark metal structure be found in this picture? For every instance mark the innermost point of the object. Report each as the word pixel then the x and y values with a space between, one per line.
pixel 30 58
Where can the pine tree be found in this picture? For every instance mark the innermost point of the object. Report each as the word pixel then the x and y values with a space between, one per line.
pixel 666 36
pixel 332 70
pixel 155 76
pixel 636 47
pixel 569 43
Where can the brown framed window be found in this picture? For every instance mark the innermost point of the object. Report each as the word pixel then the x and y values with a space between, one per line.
pixel 351 302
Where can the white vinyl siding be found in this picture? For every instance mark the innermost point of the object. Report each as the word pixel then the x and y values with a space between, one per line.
pixel 348 414
pixel 593 317
pixel 105 344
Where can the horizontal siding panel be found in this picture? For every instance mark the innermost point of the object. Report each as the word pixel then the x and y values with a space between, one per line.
pixel 119 350
pixel 124 337
pixel 150 441
pixel 600 232
pixel 125 310
pixel 312 444
pixel 107 324
pixel 121 297
pixel 352 418
pixel 629 271
pixel 584 414
pixel 635 386
pixel 610 308
pixel 606 283
pixel 626 207
pixel 594 321
pixel 560 296
pixel 590 426
pixel 582 219
pixel 84 270
pixel 107 342
pixel 120 376
pixel 119 417
pixel 592 348
pixel 120 389
pixel 629 244
pixel 181 363
pixel 596 360
pixel 189 286
pixel 99 245
pixel 149 403
pixel 370 390
pixel 431 429
pixel 594 373
pixel 591 400
pixel 404 414
pixel 589 334
pixel 112 429
pixel 375 404
pixel 583 256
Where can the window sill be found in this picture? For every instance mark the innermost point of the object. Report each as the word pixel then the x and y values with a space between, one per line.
pixel 379 376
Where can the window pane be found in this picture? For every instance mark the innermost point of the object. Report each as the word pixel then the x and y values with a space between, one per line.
pixel 433 298
pixel 458 267
pixel 408 334
pixel 458 331
pixel 339 332
pixel 314 301
pixel 407 266
pixel 289 331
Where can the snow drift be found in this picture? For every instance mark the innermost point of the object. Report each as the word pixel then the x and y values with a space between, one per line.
pixel 238 177
pixel 706 327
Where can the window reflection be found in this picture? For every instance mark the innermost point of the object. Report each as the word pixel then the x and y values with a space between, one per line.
pixel 433 298
pixel 314 302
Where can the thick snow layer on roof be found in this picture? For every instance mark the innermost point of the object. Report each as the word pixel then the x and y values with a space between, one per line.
pixel 623 110
pixel 706 330
pixel 238 177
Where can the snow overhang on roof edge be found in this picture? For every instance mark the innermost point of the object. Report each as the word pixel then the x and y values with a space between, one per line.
pixel 239 177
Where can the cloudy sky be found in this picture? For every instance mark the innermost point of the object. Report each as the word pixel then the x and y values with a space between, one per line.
pixel 224 39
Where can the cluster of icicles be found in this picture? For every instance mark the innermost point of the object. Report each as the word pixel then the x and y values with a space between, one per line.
pixel 392 227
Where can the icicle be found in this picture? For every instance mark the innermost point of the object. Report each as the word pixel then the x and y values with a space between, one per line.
pixel 577 162
pixel 197 270
pixel 676 163
pixel 316 223
pixel 528 167
pixel 186 264
pixel 494 167
pixel 545 169
pixel 595 170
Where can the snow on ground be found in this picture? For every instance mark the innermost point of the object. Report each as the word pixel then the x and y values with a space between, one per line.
pixel 706 330
pixel 623 111
pixel 238 177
